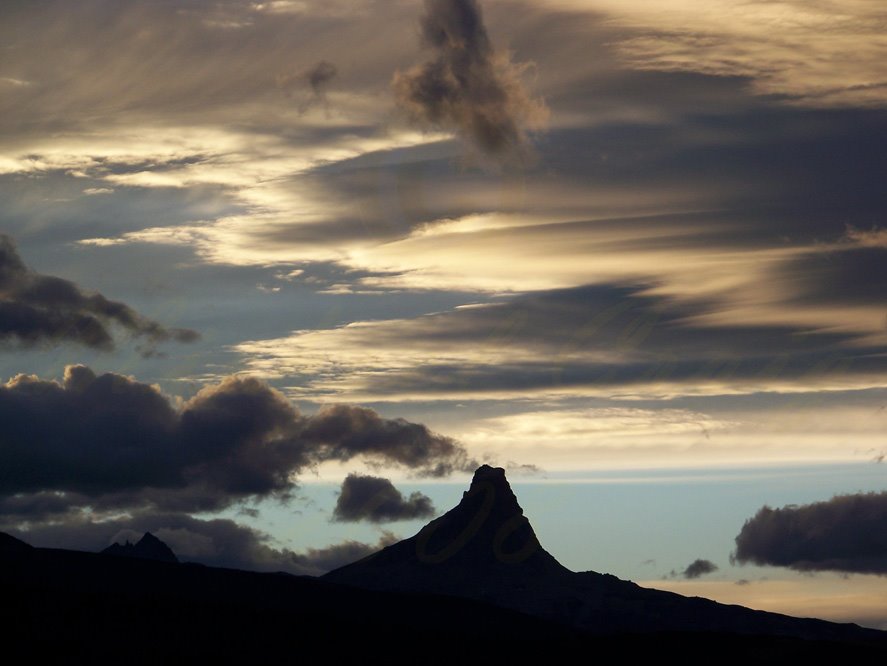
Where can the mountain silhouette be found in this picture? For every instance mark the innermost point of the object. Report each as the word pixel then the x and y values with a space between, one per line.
pixel 149 547
pixel 73 607
pixel 9 544
pixel 486 549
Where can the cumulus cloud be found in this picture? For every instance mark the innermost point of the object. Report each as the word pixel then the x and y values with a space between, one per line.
pixel 110 442
pixel 698 568
pixel 376 500
pixel 846 533
pixel 468 87
pixel 218 542
pixel 317 78
pixel 37 309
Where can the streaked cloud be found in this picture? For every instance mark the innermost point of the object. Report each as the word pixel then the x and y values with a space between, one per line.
pixel 814 53
pixel 597 340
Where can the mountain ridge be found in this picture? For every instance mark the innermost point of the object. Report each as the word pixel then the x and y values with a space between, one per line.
pixel 79 607
pixel 485 549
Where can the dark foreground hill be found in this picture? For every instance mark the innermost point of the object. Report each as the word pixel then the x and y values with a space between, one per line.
pixel 85 608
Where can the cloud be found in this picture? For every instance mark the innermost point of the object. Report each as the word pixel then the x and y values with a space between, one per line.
pixel 468 87
pixel 340 554
pixel 847 533
pixel 699 568
pixel 376 499
pixel 341 432
pixel 41 309
pixel 217 542
pixel 109 442
pixel 853 274
pixel 317 78
pixel 586 340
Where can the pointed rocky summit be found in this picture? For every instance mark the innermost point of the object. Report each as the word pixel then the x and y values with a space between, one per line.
pixel 149 547
pixel 484 542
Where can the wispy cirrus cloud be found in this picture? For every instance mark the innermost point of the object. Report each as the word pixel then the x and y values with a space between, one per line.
pixel 816 54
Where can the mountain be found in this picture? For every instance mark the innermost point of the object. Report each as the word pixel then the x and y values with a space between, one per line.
pixel 486 549
pixel 72 607
pixel 149 547
pixel 9 544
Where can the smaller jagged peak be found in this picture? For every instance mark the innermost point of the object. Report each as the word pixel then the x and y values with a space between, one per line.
pixel 149 547
pixel 148 540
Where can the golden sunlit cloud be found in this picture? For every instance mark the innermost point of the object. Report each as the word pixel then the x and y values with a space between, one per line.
pixel 823 53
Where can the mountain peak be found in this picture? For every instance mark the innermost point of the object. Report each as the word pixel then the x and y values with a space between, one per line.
pixel 484 538
pixel 488 473
pixel 149 547
pixel 493 477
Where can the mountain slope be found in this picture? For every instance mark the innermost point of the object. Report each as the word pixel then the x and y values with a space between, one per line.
pixel 486 549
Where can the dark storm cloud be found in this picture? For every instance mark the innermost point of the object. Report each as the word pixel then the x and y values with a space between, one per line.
pixel 41 309
pixel 846 533
pixel 698 568
pixel 376 500
pixel 467 87
pixel 218 542
pixel 110 442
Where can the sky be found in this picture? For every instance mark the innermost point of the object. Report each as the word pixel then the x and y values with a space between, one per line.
pixel 276 277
